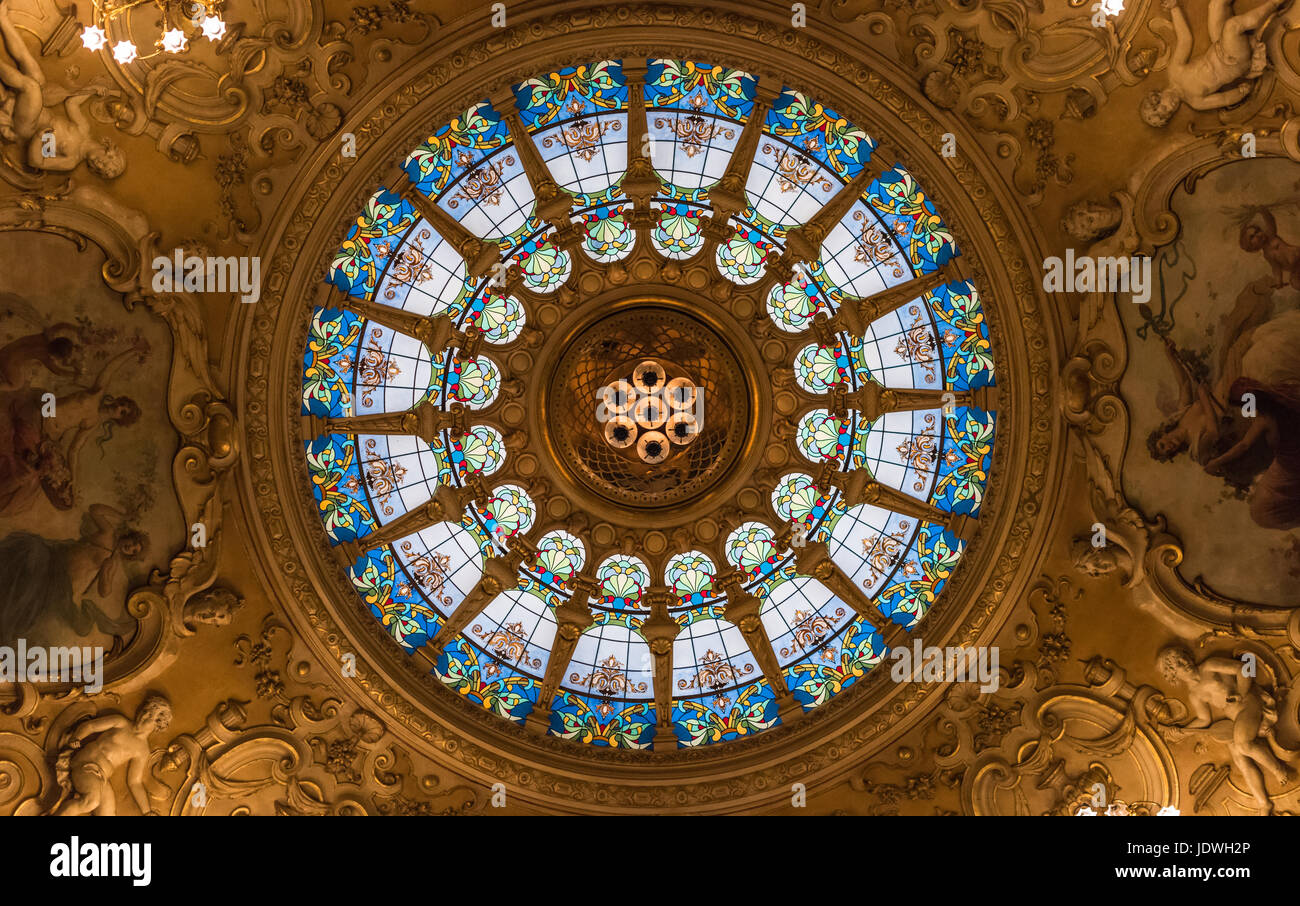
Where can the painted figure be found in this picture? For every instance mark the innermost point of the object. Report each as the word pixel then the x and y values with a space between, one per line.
pixel 57 348
pixel 38 451
pixel 50 588
pixel 1260 235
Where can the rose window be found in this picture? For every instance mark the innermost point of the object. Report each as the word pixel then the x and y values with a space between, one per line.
pixel 753 439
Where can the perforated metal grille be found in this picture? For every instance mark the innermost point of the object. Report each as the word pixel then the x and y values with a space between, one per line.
pixel 606 352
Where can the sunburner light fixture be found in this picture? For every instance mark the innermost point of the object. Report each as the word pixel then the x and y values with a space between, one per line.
pixel 651 411
pixel 201 16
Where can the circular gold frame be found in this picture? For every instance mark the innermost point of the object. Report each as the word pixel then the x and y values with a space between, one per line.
pixel 303 572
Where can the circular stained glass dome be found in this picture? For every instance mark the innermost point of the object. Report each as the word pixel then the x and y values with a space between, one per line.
pixel 652 408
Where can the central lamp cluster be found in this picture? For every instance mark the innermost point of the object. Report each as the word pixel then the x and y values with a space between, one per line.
pixel 651 411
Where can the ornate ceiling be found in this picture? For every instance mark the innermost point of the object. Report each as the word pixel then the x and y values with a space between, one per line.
pixel 627 390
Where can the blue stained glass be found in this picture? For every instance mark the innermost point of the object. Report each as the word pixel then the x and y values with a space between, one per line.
pixel 486 681
pixel 370 242
pixel 571 92
pixel 334 470
pixel 589 719
pixel 577 118
pixel 802 618
pixel 678 229
pixel 390 595
pixel 917 583
pixel 700 88
pixel 964 460
pixel 691 575
pixel 837 665
pixel 696 115
pixel 329 361
pixel 456 148
pixel 869 544
pixel 622 581
pixel 607 692
pixel 907 213
pixel 821 133
pixel 964 336
pixel 723 718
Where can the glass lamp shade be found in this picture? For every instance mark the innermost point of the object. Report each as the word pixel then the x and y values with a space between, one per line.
pixel 649 377
pixel 213 28
pixel 682 428
pixel 124 52
pixel 680 393
pixel 174 41
pixel 93 38
pixel 650 412
pixel 618 397
pixel 652 447
pixel 620 431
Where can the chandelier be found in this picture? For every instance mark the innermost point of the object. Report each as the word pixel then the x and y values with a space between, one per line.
pixel 202 17
pixel 650 411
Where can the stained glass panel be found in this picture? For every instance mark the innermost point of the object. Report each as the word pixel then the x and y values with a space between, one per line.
pixel 607 694
pixel 801 617
pixel 370 242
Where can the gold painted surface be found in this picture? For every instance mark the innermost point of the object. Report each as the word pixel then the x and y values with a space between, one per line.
pixel 237 152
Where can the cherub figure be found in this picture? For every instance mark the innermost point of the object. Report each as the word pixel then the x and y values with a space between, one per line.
pixel 33 113
pixel 1220 684
pixel 85 769
pixel 214 606
pixel 1259 234
pixel 1207 83
pixel 1089 221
